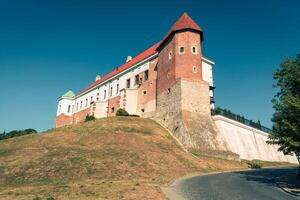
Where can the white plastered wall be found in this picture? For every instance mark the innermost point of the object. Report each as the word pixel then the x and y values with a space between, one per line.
pixel 248 142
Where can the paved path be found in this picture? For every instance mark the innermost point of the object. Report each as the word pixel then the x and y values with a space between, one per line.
pixel 259 184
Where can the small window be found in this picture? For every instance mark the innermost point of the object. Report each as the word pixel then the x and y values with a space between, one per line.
pixel 128 83
pixel 117 92
pixel 169 90
pixel 181 50
pixel 69 108
pixel 195 69
pixel 170 55
pixel 111 90
pixel 146 75
pixel 194 50
pixel 80 104
pixel 112 109
pixel 104 95
pixel 86 102
pixel 145 92
pixel 143 110
pixel 97 98
pixel 137 79
pixel 91 99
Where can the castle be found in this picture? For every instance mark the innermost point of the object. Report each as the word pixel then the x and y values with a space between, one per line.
pixel 170 82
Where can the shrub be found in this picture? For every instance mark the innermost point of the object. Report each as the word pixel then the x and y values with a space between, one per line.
pixel 89 118
pixel 122 112
pixel 253 164
pixel 37 198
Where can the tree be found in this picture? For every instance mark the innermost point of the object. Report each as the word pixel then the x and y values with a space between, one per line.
pixel 286 118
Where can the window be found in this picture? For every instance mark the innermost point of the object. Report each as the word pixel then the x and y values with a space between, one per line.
pixel 195 69
pixel 194 50
pixel 72 108
pixel 128 83
pixel 69 108
pixel 80 104
pixel 110 93
pixel 117 89
pixel 112 109
pixel 170 55
pixel 97 98
pixel 169 90
pixel 91 99
pixel 145 92
pixel 137 79
pixel 146 75
pixel 181 50
pixel 143 110
pixel 104 95
pixel 86 102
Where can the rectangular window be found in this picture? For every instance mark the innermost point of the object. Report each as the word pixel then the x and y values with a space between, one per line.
pixel 194 50
pixel 91 99
pixel 80 104
pixel 181 50
pixel 69 108
pixel 117 89
pixel 86 102
pixel 111 90
pixel 104 95
pixel 137 79
pixel 146 75
pixel 128 83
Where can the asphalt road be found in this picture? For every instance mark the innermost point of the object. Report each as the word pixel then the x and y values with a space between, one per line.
pixel 259 184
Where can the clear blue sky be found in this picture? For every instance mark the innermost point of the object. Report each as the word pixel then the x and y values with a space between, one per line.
pixel 50 46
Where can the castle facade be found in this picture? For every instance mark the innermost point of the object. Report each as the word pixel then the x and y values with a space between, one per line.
pixel 172 83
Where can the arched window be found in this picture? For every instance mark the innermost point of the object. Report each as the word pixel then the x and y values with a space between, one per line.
pixel 69 108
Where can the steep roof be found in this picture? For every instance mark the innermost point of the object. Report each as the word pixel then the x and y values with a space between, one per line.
pixel 184 22
pixel 69 94
pixel 138 58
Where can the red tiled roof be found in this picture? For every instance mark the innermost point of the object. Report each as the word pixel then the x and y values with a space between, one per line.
pixel 184 22
pixel 123 67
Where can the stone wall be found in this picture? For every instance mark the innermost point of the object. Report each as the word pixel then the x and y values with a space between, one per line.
pixel 185 111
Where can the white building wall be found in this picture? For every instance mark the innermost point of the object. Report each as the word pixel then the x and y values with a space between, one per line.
pixel 207 73
pixel 248 142
pixel 63 106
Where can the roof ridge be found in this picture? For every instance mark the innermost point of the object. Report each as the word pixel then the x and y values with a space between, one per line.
pixel 145 54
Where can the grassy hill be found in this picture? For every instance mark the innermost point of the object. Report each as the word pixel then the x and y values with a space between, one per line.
pixel 111 158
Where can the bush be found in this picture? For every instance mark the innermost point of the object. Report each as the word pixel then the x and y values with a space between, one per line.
pixel 253 164
pixel 89 118
pixel 122 112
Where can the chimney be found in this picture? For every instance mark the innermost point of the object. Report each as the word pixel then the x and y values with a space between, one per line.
pixel 129 58
pixel 98 77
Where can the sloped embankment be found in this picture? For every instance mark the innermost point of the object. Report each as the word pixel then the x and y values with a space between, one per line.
pixel 111 158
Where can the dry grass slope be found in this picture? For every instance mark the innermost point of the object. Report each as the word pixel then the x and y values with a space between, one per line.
pixel 111 158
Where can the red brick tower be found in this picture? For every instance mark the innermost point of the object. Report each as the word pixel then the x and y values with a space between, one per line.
pixel 183 101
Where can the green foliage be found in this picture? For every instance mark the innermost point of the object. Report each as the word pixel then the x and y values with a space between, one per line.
pixel 37 198
pixel 286 118
pixel 16 133
pixel 122 112
pixel 253 164
pixel 89 118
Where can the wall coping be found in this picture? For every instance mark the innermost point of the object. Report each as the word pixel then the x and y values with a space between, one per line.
pixel 225 119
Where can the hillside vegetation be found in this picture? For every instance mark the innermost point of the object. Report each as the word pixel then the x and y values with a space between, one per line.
pixel 111 158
